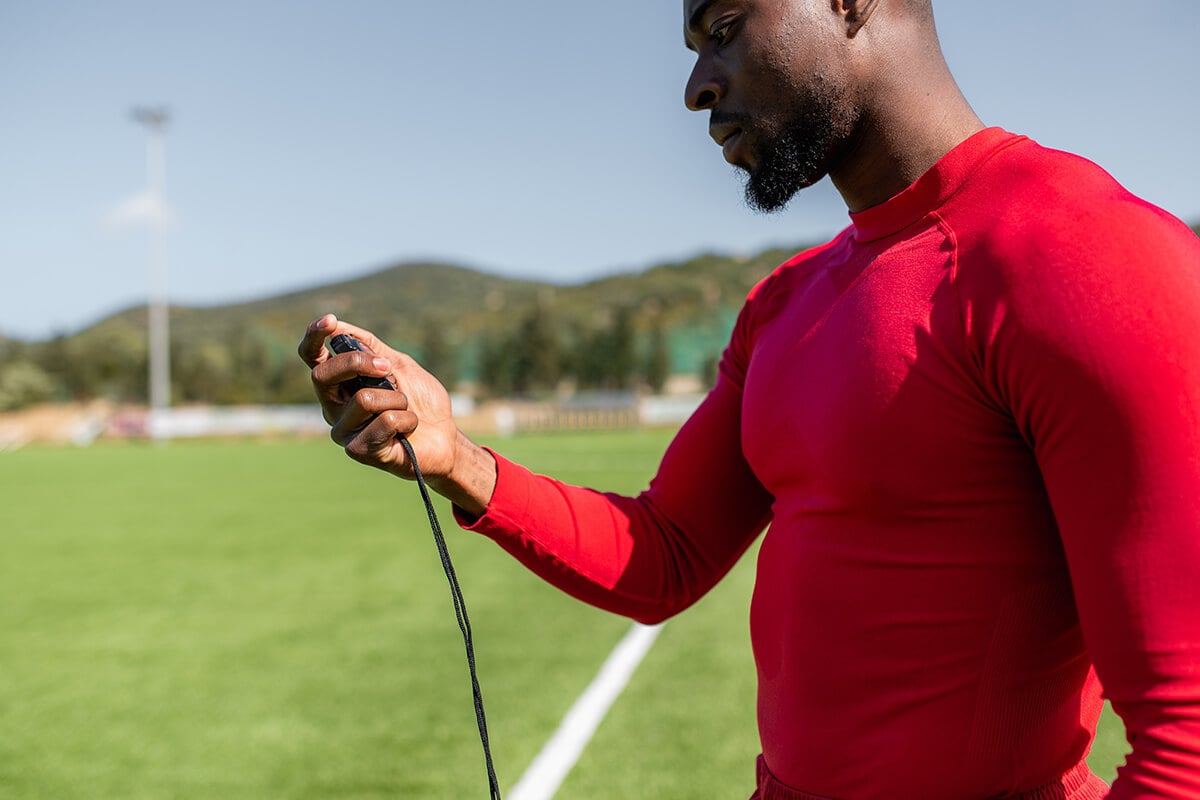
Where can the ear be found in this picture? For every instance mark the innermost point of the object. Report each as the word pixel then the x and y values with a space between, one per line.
pixel 856 13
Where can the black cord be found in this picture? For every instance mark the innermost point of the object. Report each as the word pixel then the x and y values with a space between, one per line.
pixel 460 611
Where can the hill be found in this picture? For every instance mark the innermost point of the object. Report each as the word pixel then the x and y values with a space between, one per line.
pixel 404 298
pixel 467 321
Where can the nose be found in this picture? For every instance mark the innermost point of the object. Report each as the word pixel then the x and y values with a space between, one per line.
pixel 703 89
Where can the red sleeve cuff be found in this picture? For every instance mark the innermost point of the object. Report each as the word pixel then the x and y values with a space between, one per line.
pixel 509 503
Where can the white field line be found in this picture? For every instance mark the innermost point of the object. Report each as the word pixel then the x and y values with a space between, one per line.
pixel 547 771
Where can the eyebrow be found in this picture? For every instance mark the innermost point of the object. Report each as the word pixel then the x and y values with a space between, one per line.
pixel 696 18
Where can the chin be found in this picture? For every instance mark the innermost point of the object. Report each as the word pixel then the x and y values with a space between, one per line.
pixel 773 192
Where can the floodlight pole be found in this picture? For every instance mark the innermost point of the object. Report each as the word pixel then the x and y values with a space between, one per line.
pixel 155 120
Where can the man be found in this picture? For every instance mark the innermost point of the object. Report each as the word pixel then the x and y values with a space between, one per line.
pixel 972 421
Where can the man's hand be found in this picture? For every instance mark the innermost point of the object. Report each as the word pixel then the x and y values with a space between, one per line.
pixel 368 423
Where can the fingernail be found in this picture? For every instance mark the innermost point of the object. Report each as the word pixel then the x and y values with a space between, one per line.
pixel 382 364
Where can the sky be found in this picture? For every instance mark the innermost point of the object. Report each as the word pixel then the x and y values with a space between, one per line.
pixel 310 142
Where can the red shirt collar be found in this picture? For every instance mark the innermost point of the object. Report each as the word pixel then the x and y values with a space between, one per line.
pixel 931 190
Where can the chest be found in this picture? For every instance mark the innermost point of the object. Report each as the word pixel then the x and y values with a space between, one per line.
pixel 861 390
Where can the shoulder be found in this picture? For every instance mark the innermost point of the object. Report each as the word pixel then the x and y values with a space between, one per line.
pixel 1042 224
pixel 1057 263
pixel 1034 207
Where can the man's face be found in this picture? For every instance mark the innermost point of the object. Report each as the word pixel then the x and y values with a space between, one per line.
pixel 766 72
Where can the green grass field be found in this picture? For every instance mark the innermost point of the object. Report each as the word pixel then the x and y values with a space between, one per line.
pixel 266 619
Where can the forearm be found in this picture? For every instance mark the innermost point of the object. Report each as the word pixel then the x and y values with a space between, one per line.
pixel 627 555
pixel 648 556
pixel 471 481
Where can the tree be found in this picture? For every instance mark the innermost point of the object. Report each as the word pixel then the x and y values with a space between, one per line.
pixel 606 357
pixel 23 383
pixel 496 364
pixel 108 362
pixel 622 355
pixel 437 355
pixel 203 373
pixel 536 362
pixel 658 360
pixel 585 359
pixel 251 367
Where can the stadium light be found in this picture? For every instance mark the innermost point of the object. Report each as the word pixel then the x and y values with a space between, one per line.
pixel 155 120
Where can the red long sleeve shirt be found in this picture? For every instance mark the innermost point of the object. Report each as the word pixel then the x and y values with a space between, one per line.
pixel 972 421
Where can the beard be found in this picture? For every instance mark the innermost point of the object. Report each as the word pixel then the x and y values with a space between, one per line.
pixel 795 153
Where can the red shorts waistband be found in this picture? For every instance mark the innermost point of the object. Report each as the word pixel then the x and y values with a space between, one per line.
pixel 771 788
pixel 1078 783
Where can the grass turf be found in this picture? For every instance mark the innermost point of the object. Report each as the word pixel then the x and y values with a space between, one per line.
pixel 267 619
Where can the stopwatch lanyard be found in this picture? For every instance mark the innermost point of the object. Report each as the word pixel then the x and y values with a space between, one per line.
pixel 460 612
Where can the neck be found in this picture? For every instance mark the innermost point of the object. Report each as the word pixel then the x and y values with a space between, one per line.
pixel 909 121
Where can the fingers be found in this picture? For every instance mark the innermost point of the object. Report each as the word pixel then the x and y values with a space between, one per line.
pixel 312 347
pixel 369 426
pixel 333 370
pixel 377 444
pixel 329 371
pixel 365 410
pixel 373 343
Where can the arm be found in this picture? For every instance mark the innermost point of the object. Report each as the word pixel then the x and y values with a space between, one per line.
pixel 647 557
pixel 1094 344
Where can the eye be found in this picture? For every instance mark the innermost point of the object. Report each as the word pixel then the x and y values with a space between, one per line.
pixel 721 31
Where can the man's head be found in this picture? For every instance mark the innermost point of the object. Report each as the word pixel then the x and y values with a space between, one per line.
pixel 787 83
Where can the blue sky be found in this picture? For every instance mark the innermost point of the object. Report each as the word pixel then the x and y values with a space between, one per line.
pixel 311 142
